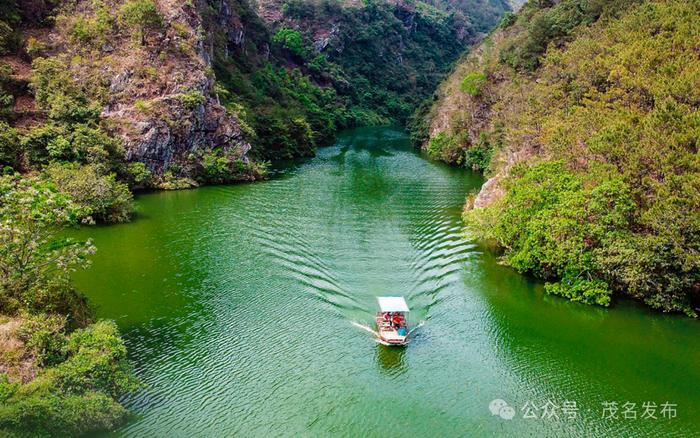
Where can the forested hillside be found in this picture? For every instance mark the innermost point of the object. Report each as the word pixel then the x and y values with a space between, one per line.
pixel 308 68
pixel 99 98
pixel 585 117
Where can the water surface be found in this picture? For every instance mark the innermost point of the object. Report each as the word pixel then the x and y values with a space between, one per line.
pixel 237 304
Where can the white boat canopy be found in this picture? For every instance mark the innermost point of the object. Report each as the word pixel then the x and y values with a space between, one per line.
pixel 392 304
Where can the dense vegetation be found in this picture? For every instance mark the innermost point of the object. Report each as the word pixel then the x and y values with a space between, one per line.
pixel 373 65
pixel 286 88
pixel 591 111
pixel 61 373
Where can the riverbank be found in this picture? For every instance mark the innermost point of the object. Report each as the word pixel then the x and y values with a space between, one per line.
pixel 61 372
pixel 589 146
pixel 236 301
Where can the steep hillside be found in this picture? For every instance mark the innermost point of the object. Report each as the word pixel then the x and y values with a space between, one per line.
pixel 584 116
pixel 302 69
pixel 194 89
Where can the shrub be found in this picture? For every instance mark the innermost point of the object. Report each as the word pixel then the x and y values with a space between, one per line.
pixel 34 47
pixel 41 141
pixel 508 20
pixel 104 198
pixel 76 395
pixel 291 40
pixel 191 99
pixel 137 175
pixel 59 95
pixel 9 19
pixel 473 84
pixel 7 100
pixel 582 291
pixel 43 334
pixel 446 147
pixel 219 166
pixel 74 143
pixel 141 15
pixel 34 262
pixel 299 9
pixel 10 147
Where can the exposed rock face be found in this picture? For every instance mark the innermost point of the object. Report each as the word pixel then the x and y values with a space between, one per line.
pixel 489 193
pixel 159 144
pixel 158 94
pixel 180 128
pixel 230 23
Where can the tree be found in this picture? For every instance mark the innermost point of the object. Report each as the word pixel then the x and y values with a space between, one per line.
pixel 100 195
pixel 142 15
pixel 291 40
pixel 35 262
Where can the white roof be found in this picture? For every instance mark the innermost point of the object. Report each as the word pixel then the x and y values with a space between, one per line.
pixel 392 304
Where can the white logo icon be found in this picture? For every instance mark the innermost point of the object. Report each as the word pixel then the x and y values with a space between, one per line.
pixel 500 407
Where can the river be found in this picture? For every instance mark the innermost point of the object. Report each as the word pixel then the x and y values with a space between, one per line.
pixel 240 307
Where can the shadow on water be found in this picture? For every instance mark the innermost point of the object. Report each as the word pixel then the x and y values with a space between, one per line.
pixel 391 360
pixel 554 349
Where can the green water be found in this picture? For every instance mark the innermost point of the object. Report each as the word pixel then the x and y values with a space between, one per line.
pixel 238 302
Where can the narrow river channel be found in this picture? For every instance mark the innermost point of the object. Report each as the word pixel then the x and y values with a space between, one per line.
pixel 238 302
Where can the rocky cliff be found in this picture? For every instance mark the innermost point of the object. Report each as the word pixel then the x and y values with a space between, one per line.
pixel 155 87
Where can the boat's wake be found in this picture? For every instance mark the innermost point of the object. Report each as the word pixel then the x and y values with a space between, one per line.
pixel 420 324
pixel 365 328
pixel 376 334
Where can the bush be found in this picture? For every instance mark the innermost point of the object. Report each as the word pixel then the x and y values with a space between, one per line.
pixel 508 20
pixel 447 148
pixel 73 143
pixel 291 40
pixel 35 263
pixel 9 20
pixel 91 28
pixel 10 147
pixel 138 176
pixel 191 100
pixel 141 15
pixel 473 84
pixel 102 196
pixel 76 395
pixel 7 100
pixel 59 95
pixel 582 291
pixel 43 335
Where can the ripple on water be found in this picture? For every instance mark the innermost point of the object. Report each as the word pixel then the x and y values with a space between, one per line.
pixel 241 301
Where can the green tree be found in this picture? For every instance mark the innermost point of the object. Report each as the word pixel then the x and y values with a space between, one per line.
pixel 35 262
pixel 142 15
pixel 291 40
pixel 101 196
pixel 10 148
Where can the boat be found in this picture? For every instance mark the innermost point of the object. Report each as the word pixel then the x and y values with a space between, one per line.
pixel 392 324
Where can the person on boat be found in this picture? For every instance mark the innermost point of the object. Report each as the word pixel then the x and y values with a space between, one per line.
pixel 398 320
